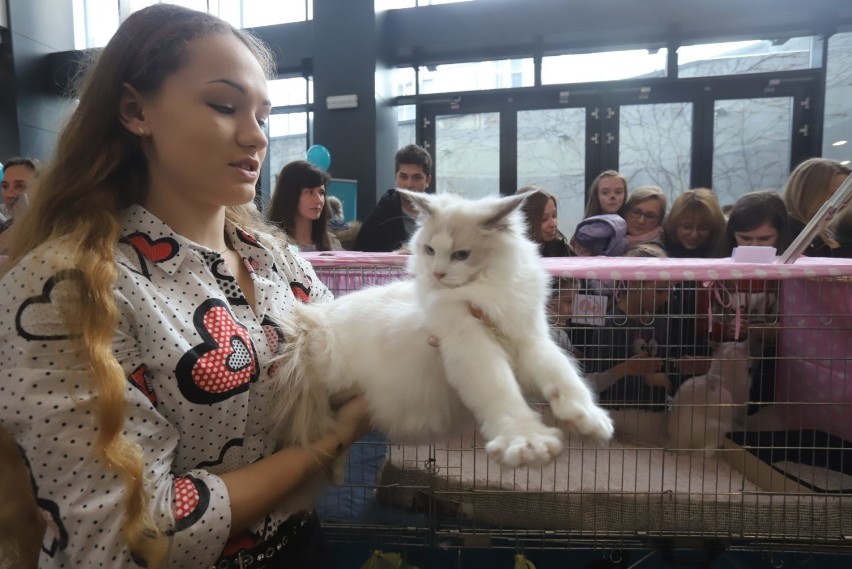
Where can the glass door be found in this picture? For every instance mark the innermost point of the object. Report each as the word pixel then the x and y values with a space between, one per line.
pixel 732 134
pixel 551 153
pixel 467 154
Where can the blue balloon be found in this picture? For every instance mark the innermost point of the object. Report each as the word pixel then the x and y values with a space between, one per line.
pixel 319 156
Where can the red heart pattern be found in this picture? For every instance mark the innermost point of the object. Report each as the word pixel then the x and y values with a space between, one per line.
pixel 301 292
pixel 224 364
pixel 140 379
pixel 155 250
pixel 191 499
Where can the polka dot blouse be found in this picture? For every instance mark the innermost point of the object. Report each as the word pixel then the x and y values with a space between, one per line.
pixel 196 358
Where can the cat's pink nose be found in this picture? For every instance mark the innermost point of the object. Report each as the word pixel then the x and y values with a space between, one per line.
pixel 439 275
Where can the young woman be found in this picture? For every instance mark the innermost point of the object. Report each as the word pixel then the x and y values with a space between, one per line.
pixel 299 207
pixel 758 219
pixel 810 184
pixel 607 194
pixel 540 212
pixel 695 226
pixel 142 289
pixel 644 213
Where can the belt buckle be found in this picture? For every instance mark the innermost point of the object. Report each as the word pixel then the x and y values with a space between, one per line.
pixel 244 559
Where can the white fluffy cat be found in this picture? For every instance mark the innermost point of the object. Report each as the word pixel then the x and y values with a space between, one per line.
pixel 376 341
pixel 707 406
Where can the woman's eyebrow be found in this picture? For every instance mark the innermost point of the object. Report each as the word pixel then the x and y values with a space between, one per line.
pixel 238 87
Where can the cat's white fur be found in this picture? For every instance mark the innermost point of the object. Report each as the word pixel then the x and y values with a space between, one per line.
pixel 375 341
pixel 707 406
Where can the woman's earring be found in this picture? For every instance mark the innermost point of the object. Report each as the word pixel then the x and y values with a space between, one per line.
pixel 141 131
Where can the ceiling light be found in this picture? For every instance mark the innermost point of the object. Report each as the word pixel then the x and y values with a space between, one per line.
pixel 845 163
pixel 839 143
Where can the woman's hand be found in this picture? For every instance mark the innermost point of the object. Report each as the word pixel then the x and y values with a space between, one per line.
pixel 353 421
pixel 658 380
pixel 475 311
pixel 642 364
pixel 692 365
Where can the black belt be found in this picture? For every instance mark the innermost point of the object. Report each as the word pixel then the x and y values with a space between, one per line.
pixel 266 551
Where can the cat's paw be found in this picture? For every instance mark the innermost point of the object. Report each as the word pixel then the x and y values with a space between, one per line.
pixel 521 450
pixel 587 420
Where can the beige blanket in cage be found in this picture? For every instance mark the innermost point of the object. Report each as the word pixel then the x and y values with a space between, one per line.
pixel 613 489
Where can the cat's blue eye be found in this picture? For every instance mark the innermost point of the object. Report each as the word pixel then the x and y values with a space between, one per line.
pixel 429 250
pixel 461 255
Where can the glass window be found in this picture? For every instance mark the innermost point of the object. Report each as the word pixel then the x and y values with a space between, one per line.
pixel 394 4
pixel 286 92
pixel 95 21
pixel 258 13
pixel 404 81
pixel 473 76
pixel 837 129
pixel 607 66
pixel 656 145
pixel 751 146
pixel 229 11
pixel 467 157
pixel 406 125
pixel 737 58
pixel 288 141
pixel 199 5
pixel 552 155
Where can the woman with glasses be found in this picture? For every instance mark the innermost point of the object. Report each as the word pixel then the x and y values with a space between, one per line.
pixel 695 226
pixel 644 213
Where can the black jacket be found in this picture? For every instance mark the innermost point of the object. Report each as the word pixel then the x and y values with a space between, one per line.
pixel 384 229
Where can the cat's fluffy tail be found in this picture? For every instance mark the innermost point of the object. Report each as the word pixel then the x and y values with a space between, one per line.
pixel 301 411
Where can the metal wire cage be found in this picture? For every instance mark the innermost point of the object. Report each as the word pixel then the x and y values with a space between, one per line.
pixel 728 387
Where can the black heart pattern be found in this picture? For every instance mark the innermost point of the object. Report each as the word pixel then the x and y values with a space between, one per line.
pixel 55 537
pixel 38 317
pixel 224 364
pixel 141 265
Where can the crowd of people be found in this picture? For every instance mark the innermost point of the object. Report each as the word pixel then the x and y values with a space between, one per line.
pixel 618 221
pixel 639 222
pixel 142 289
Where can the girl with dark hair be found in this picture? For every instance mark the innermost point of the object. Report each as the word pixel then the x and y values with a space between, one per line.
pixel 758 219
pixel 540 212
pixel 300 207
pixel 142 289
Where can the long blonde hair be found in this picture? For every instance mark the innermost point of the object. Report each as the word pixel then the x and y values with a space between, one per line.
pixel 73 221
pixel 807 186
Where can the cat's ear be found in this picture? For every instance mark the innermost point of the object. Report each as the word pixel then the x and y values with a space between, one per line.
pixel 418 200
pixel 496 218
